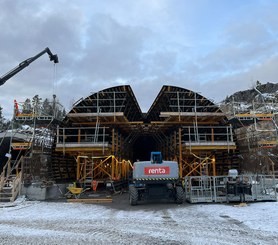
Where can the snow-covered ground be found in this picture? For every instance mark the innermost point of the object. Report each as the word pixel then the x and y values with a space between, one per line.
pixel 33 222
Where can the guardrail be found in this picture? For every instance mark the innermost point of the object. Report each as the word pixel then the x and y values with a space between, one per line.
pixel 12 179
pixel 243 188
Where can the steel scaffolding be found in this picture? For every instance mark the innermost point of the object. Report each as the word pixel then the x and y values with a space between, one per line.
pixel 182 124
pixel 243 188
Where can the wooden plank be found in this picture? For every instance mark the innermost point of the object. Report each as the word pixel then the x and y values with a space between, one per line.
pixel 255 115
pixel 91 200
pixel 192 114
pixel 101 114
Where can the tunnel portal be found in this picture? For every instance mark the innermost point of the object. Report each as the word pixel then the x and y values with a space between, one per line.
pixel 108 128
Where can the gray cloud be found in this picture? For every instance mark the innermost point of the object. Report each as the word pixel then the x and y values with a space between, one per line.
pixel 113 50
pixel 145 44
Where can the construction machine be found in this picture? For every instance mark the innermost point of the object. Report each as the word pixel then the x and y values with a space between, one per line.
pixel 155 179
pixel 25 63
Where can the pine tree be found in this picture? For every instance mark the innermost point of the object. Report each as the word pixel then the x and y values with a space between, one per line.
pixel 27 108
pixel 4 124
pixel 2 119
pixel 36 103
pixel 47 108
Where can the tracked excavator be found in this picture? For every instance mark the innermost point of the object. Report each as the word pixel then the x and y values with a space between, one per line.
pixel 27 62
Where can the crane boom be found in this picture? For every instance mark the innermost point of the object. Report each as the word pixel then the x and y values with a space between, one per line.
pixel 25 63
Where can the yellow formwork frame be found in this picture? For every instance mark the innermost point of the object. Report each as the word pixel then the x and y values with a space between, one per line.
pixel 81 168
pixel 102 168
pixel 196 166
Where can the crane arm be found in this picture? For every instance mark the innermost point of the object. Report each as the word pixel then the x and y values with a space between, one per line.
pixel 25 63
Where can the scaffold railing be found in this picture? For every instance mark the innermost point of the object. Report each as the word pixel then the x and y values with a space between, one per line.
pixel 11 178
pixel 202 134
pixel 76 135
pixel 243 188
pixel 26 111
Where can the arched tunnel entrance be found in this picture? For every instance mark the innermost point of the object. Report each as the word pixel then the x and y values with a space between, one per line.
pixel 143 146
pixel 108 129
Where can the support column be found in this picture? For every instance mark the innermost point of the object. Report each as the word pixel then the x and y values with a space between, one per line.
pixel 113 167
pixel 78 168
pixel 84 170
pixel 79 136
pixel 9 167
pixel 180 154
pixel 117 143
pixel 213 162
pixel 113 153
pixel 113 141
pixel 175 144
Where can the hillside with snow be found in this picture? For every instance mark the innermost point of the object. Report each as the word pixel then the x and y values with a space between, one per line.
pixel 254 116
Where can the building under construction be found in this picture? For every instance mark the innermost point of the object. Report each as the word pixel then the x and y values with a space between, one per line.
pixel 107 131
pixel 102 135
pixel 254 120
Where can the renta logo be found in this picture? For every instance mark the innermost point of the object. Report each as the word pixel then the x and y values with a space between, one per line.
pixel 156 170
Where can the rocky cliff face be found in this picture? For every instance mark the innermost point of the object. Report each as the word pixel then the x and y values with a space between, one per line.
pixel 267 92
pixel 261 99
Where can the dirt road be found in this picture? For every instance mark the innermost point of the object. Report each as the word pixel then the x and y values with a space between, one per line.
pixel 151 223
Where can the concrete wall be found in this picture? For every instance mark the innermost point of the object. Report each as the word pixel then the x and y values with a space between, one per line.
pixel 39 192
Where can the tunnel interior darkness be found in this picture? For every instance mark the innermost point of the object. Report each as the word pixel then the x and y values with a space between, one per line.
pixel 142 148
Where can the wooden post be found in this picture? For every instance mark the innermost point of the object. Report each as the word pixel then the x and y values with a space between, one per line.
pixel 84 169
pixel 212 134
pixel 117 143
pixel 57 139
pixel 180 153
pixel 113 141
pixel 213 165
pixel 113 167
pixel 175 143
pixel 9 167
pixel 78 168
pixel 79 136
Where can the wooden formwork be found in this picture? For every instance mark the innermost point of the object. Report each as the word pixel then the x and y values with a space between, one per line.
pixel 109 126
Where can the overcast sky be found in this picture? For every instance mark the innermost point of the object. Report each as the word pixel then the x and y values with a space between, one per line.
pixel 213 47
